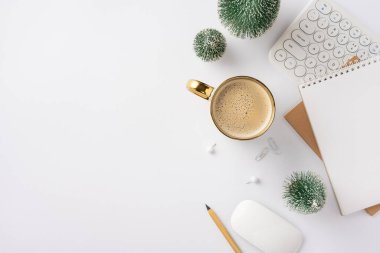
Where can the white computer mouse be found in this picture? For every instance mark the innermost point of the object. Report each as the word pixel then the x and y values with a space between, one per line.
pixel 265 229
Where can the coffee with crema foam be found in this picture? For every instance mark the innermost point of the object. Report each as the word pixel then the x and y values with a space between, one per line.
pixel 242 108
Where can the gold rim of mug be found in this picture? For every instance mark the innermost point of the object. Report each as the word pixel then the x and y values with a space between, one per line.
pixel 216 92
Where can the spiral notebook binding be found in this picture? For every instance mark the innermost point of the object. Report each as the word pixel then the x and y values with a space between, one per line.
pixel 342 71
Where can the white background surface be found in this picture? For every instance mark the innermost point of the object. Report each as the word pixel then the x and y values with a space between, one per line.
pixel 103 150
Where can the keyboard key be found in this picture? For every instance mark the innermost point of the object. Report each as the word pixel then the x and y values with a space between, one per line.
pixel 294 49
pixel 307 26
pixel 300 37
pixel 329 44
pixel 323 23
pixel 300 71
pixel 313 15
pixel 347 58
pixel 362 54
pixel 280 55
pixel 374 48
pixel 323 56
pixel 323 7
pixel 319 36
pixel 364 40
pixel 320 70
pixel 352 46
pixel 290 63
pixel 333 31
pixel 310 62
pixel 309 77
pixel 355 32
pixel 339 52
pixel 342 39
pixel 314 48
pixel 345 24
pixel 335 16
pixel 333 64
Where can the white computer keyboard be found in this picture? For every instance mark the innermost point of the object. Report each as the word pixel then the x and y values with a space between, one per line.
pixel 322 39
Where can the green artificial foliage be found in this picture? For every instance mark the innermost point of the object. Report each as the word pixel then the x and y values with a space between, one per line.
pixel 248 18
pixel 209 44
pixel 304 192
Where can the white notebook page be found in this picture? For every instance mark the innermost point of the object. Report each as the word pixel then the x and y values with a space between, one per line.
pixel 344 112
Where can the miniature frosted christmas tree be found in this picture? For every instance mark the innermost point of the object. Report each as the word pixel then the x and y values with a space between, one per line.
pixel 209 44
pixel 248 18
pixel 304 192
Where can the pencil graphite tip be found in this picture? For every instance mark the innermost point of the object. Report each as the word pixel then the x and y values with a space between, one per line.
pixel 208 208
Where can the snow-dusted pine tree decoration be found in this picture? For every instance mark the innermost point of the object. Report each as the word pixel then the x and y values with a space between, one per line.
pixel 248 18
pixel 209 44
pixel 304 192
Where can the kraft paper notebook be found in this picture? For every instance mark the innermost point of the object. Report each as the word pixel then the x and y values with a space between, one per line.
pixel 298 119
pixel 342 109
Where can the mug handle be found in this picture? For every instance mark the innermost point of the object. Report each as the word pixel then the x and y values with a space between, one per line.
pixel 201 89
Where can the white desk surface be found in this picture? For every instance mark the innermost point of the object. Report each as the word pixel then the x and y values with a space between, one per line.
pixel 102 149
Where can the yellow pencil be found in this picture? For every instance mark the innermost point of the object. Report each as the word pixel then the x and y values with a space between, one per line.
pixel 222 229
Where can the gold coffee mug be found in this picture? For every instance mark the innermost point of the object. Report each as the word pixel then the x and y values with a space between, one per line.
pixel 242 107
